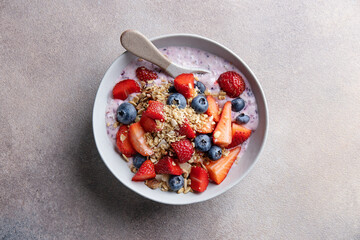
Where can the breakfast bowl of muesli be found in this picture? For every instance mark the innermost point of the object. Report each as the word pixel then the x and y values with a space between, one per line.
pixel 184 139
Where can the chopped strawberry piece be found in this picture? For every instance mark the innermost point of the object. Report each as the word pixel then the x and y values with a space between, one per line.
pixel 222 132
pixel 213 109
pixel 138 141
pixel 207 126
pixel 219 169
pixel 186 130
pixel 144 74
pixel 184 84
pixel 124 88
pixel 155 110
pixel 183 149
pixel 123 141
pixel 167 165
pixel 145 172
pixel 199 179
pixel 232 83
pixel 149 124
pixel 239 135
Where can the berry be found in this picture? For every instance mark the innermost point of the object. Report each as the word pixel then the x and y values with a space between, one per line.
pixel 222 132
pixel 144 74
pixel 185 129
pixel 167 165
pixel 232 83
pixel 207 126
pixel 124 88
pixel 138 160
pixel 183 149
pixel 219 169
pixel 149 124
pixel 145 172
pixel 199 179
pixel 215 153
pixel 126 113
pixel 239 135
pixel 184 84
pixel 242 119
pixel 237 104
pixel 155 110
pixel 177 99
pixel 200 86
pixel 176 182
pixel 200 104
pixel 123 142
pixel 172 89
pixel 138 141
pixel 213 109
pixel 203 143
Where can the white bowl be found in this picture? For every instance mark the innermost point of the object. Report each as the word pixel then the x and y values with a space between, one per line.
pixel 119 167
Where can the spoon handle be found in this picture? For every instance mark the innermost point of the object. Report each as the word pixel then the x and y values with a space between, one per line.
pixel 139 45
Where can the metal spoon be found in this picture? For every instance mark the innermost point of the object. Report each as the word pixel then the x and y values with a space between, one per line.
pixel 139 45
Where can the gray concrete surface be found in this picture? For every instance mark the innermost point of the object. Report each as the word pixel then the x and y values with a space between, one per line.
pixel 53 184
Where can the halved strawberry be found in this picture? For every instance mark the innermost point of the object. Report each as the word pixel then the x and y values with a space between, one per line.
pixel 185 129
pixel 183 149
pixel 184 84
pixel 207 126
pixel 145 172
pixel 232 83
pixel 144 74
pixel 123 141
pixel 199 179
pixel 124 88
pixel 155 110
pixel 167 165
pixel 239 135
pixel 138 141
pixel 149 124
pixel 219 169
pixel 213 109
pixel 222 132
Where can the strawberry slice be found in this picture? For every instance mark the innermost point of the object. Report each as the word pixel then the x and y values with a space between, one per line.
pixel 199 179
pixel 138 141
pixel 149 124
pixel 222 132
pixel 145 172
pixel 185 129
pixel 219 169
pixel 123 141
pixel 213 109
pixel 184 84
pixel 239 135
pixel 124 88
pixel 144 74
pixel 184 150
pixel 167 165
pixel 207 126
pixel 155 110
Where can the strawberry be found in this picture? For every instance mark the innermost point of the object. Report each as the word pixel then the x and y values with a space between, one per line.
pixel 124 88
pixel 199 179
pixel 232 83
pixel 149 124
pixel 213 109
pixel 185 129
pixel 144 74
pixel 184 84
pixel 184 150
pixel 219 169
pixel 155 110
pixel 239 135
pixel 222 132
pixel 123 141
pixel 207 126
pixel 138 141
pixel 145 172
pixel 167 165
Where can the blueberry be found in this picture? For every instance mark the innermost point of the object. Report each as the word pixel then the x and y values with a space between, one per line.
pixel 237 104
pixel 203 143
pixel 177 99
pixel 172 89
pixel 138 160
pixel 200 104
pixel 200 86
pixel 215 153
pixel 126 113
pixel 176 182
pixel 242 119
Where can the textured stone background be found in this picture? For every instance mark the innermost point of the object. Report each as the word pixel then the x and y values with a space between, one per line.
pixel 306 185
